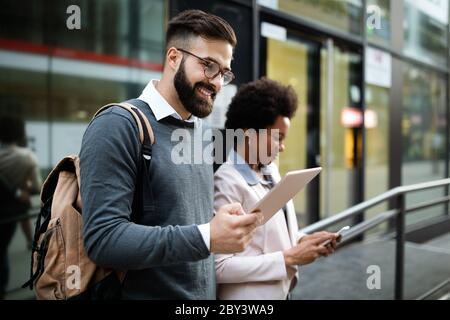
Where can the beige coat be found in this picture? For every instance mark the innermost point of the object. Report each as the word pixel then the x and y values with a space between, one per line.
pixel 259 272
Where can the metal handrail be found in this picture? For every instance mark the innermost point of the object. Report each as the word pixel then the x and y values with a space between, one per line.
pixel 434 290
pixel 399 212
pixel 359 229
pixel 363 206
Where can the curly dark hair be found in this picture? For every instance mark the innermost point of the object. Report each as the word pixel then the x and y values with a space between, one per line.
pixel 257 105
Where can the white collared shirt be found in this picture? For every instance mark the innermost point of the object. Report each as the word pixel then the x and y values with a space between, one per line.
pixel 162 109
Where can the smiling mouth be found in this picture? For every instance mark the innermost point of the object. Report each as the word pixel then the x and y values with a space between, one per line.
pixel 205 92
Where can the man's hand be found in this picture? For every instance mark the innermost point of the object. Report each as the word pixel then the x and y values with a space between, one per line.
pixel 232 229
pixel 309 249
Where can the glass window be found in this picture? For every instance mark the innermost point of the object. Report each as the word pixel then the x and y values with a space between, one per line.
pixel 377 145
pixel 22 20
pixel 424 129
pixel 152 30
pixel 291 68
pixel 23 94
pixel 106 29
pixel 74 100
pixel 104 26
pixel 378 23
pixel 425 30
pixel 338 175
pixel 346 15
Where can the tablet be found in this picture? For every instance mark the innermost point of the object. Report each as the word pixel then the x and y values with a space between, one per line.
pixel 285 190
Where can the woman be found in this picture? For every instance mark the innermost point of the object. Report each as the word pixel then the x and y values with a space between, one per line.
pixel 267 268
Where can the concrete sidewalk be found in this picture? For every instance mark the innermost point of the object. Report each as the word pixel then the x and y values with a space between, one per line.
pixel 344 275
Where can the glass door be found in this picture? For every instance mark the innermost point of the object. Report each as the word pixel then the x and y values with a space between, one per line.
pixel 295 61
pixel 327 80
pixel 341 128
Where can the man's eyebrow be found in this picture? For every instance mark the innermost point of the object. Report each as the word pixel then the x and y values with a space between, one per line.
pixel 214 60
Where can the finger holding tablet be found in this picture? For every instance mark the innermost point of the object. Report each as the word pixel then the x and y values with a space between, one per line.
pixel 291 184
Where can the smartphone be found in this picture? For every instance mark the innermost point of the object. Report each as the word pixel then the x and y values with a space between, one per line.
pixel 326 243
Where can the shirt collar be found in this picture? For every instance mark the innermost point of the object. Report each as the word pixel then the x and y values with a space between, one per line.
pixel 159 106
pixel 244 169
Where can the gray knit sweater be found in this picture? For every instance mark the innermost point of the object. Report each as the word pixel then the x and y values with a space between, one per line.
pixel 165 253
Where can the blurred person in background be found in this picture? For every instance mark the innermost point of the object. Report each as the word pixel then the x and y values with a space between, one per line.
pixel 19 180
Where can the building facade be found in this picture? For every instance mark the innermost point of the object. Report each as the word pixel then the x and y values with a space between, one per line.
pixel 372 78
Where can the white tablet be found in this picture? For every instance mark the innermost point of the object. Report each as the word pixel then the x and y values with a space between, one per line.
pixel 285 190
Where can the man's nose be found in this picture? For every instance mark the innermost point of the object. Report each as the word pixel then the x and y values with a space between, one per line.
pixel 217 82
pixel 281 147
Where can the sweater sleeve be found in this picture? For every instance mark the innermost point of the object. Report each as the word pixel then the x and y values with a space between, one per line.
pixel 108 169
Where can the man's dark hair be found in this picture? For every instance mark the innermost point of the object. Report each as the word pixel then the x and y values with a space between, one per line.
pixel 12 130
pixel 191 23
pixel 257 105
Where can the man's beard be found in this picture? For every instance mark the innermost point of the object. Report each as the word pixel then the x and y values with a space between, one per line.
pixel 199 107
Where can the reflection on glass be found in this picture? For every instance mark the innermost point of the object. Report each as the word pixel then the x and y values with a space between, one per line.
pixel 22 20
pixel 424 128
pixel 377 145
pixel 345 15
pixel 151 30
pixel 346 94
pixel 378 23
pixel 287 62
pixel 106 27
pixel 23 94
pixel 76 99
pixel 425 30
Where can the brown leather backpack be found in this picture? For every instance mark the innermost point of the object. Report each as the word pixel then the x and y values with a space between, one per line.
pixel 60 267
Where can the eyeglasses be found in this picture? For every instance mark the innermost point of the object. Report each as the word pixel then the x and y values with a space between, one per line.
pixel 212 69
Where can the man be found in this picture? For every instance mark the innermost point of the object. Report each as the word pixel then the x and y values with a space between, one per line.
pixel 168 254
pixel 267 268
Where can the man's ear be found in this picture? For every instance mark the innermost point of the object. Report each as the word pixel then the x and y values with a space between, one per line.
pixel 173 58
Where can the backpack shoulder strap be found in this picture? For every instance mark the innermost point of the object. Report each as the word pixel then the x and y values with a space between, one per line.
pixel 143 119
pixel 147 139
pixel 139 117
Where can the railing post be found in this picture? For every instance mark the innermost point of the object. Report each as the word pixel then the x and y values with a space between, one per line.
pixel 400 247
